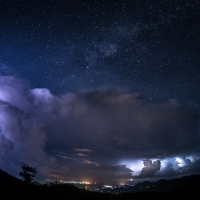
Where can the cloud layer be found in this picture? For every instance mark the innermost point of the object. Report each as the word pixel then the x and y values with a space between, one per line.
pixel 91 132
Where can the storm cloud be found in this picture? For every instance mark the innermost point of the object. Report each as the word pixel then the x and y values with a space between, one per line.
pixel 150 168
pixel 81 133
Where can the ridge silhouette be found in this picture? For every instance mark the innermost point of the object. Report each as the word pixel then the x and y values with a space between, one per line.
pixel 11 186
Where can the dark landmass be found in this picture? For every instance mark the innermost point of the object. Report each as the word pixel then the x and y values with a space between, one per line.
pixel 11 187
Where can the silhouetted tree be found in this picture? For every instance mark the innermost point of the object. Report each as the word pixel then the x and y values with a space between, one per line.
pixel 28 173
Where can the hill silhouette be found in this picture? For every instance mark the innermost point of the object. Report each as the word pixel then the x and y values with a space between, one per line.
pixel 12 187
pixel 7 179
pixel 183 185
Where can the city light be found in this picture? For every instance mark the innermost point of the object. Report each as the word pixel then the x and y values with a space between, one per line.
pixel 71 182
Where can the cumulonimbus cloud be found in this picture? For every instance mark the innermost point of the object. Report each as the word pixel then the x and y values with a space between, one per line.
pixel 150 168
pixel 106 125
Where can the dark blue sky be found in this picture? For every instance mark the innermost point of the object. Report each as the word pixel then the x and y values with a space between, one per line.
pixel 147 46
pixel 107 62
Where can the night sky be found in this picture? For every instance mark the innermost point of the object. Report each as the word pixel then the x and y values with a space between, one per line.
pixel 105 91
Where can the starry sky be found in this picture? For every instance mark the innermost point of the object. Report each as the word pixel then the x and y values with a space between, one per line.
pixel 100 90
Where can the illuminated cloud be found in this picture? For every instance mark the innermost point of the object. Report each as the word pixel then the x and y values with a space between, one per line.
pixel 66 157
pixel 83 150
pixel 150 168
pixel 82 154
pixel 114 125
pixel 88 162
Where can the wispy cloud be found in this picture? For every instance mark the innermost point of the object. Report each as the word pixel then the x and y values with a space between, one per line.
pixel 82 154
pixel 66 157
pixel 83 150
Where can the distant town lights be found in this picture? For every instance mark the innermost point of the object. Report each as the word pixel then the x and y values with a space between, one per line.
pixel 72 182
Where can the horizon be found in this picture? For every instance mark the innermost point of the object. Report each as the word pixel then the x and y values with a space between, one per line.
pixel 85 184
pixel 100 91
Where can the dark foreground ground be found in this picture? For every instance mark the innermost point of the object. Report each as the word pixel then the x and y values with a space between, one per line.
pixel 13 188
